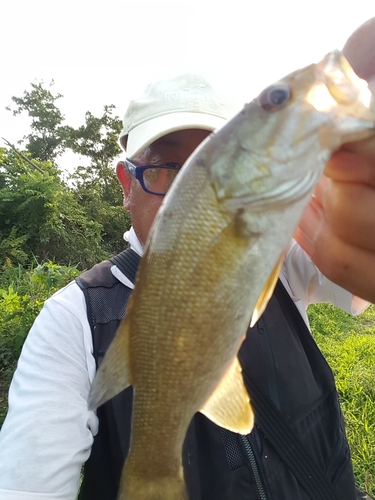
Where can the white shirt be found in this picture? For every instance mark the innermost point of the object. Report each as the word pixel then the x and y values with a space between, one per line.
pixel 48 432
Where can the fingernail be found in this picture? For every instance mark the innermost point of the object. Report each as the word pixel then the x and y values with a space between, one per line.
pixel 310 226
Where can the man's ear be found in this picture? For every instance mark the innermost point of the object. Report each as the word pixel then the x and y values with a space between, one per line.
pixel 124 178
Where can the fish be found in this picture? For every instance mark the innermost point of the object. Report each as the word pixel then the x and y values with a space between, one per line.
pixel 212 260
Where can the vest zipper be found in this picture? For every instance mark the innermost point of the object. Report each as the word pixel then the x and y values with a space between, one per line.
pixel 254 467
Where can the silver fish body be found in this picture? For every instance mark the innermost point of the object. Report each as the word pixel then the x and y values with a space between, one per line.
pixel 211 262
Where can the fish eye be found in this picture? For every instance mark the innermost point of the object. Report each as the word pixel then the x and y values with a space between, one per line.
pixel 272 98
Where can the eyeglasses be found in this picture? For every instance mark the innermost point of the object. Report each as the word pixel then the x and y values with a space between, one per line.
pixel 154 180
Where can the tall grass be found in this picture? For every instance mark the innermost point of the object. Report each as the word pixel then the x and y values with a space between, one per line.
pixel 348 344
pixel 22 294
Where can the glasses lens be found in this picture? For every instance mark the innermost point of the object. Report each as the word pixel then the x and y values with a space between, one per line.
pixel 159 179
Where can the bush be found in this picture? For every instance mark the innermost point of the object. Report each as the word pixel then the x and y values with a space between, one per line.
pixel 22 294
pixel 42 216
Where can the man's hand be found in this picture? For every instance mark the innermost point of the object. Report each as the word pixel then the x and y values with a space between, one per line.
pixel 338 227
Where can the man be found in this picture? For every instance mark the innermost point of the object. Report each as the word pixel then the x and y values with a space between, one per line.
pixel 49 433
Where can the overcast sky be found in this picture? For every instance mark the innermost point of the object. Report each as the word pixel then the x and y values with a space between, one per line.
pixel 103 52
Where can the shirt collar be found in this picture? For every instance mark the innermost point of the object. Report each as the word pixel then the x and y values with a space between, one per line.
pixel 134 242
pixel 135 245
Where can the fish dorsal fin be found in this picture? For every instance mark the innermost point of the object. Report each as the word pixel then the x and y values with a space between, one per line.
pixel 229 405
pixel 113 375
pixel 267 292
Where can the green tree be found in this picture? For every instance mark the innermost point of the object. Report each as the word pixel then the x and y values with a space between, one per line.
pixel 97 139
pixel 46 141
pixel 91 208
pixel 42 218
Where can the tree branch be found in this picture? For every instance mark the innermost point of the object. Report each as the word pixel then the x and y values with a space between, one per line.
pixel 23 156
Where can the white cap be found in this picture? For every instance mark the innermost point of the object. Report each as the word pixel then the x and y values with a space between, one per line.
pixel 178 103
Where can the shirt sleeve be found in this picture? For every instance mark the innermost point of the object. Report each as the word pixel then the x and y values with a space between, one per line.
pixel 48 432
pixel 307 285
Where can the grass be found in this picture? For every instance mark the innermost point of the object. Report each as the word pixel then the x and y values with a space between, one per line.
pixel 348 343
pixel 22 294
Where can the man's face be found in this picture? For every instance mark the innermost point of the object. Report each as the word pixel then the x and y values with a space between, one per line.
pixel 172 148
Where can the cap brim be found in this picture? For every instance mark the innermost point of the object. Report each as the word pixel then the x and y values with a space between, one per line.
pixel 146 133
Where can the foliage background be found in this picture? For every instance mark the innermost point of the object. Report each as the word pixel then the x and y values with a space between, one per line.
pixel 51 229
pixel 78 220
pixel 52 226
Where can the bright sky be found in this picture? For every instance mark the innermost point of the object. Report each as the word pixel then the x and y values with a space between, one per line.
pixel 105 52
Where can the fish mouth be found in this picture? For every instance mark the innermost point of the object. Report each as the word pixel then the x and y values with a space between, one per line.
pixel 285 193
pixel 342 83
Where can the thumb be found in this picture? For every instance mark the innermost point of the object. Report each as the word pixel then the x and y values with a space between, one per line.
pixel 360 52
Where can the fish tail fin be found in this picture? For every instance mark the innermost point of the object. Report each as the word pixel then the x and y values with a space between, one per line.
pixel 144 488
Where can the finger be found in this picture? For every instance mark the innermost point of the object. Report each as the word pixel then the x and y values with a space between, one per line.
pixel 365 147
pixel 330 212
pixel 353 226
pixel 344 264
pixel 332 204
pixel 353 162
pixel 360 51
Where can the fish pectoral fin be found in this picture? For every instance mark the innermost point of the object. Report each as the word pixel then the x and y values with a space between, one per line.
pixel 267 292
pixel 229 405
pixel 113 375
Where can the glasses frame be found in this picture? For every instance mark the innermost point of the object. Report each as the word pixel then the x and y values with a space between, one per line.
pixel 137 172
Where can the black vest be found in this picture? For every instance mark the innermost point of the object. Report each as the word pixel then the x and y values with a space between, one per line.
pixel 281 358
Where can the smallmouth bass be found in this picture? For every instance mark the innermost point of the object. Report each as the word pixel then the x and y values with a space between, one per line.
pixel 211 263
